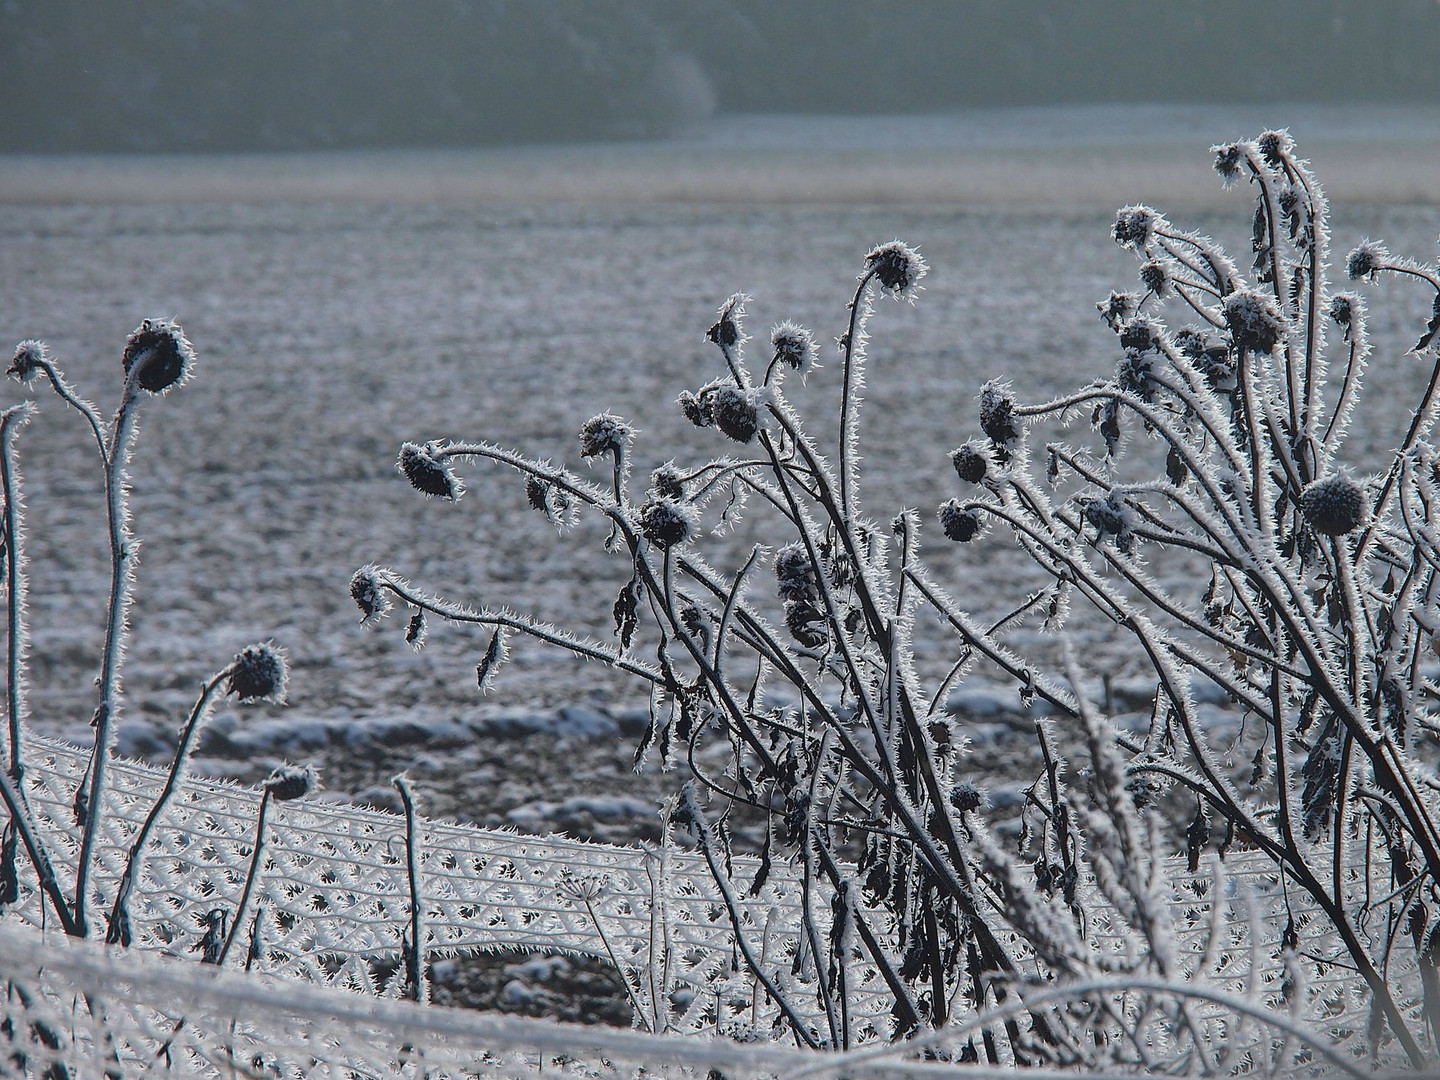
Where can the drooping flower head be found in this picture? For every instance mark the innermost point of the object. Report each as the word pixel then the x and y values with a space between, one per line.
pixel 1334 505
pixel 428 470
pixel 258 674
pixel 1255 325
pixel 794 346
pixel 795 576
pixel 1348 312
pixel 959 524
pixel 898 268
pixel 605 434
pixel 997 412
pixel 1227 162
pixel 971 461
pixel 667 523
pixel 967 798
pixel 29 361
pixel 1135 226
pixel 1367 260
pixel 368 592
pixel 1155 276
pixel 1118 308
pixel 728 331
pixel 165 355
pixel 1342 309
pixel 290 782
pixel 1275 147
pixel 667 483
pixel 737 412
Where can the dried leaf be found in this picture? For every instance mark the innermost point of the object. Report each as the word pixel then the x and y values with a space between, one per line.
pixel 491 661
pixel 1431 328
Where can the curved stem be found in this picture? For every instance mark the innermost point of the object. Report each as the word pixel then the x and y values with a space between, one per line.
pixel 417 986
pixel 251 876
pixel 860 311
pixel 118 931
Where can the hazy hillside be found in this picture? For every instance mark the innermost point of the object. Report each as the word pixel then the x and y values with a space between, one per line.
pixel 242 74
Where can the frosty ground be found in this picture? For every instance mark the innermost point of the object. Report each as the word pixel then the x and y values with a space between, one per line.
pixel 336 320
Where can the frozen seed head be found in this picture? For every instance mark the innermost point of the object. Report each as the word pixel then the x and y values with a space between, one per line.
pixel 1191 342
pixel 1155 276
pixel 898 268
pixel 1367 260
pixel 959 524
pixel 605 434
pixel 1140 334
pixel 164 355
pixel 696 622
pixel 428 470
pixel 579 889
pixel 794 346
pixel 736 412
pixel 1334 505
pixel 1211 357
pixel 806 624
pixel 548 499
pixel 1275 147
pixel 258 674
pixel 727 331
pixel 667 523
pixel 997 412
pixel 966 797
pixel 1135 226
pixel 795 577
pixel 971 461
pixel 1227 161
pixel 290 782
pixel 1109 515
pixel 1111 518
pixel 1345 308
pixel 29 361
pixel 1118 308
pixel 368 592
pixel 1135 373
pixel 694 409
pixel 1255 325
pixel 667 483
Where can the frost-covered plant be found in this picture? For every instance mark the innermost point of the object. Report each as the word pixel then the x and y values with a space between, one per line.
pixel 1317 610
pixel 157 357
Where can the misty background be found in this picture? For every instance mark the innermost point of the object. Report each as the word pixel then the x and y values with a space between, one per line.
pixel 224 75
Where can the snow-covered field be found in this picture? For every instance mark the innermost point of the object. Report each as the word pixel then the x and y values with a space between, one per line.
pixel 338 311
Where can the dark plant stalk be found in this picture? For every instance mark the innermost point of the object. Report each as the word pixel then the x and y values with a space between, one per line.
pixel 417 987
pixel 251 877
pixel 860 312
pixel 13 554
pixel 122 561
pixel 24 825
pixel 705 841
pixel 118 931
